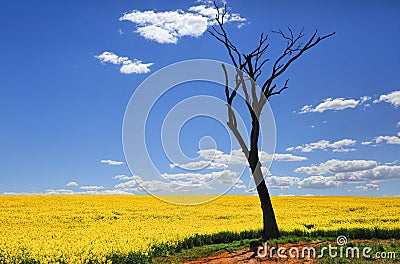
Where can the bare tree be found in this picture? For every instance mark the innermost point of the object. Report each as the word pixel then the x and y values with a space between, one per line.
pixel 252 65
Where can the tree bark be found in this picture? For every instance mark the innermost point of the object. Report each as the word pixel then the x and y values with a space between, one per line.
pixel 270 227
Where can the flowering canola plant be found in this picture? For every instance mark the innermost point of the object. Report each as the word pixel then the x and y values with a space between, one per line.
pixel 82 229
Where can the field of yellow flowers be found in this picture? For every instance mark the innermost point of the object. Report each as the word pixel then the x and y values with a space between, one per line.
pixel 87 229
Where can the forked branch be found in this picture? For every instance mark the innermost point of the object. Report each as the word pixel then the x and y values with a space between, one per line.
pixel 253 63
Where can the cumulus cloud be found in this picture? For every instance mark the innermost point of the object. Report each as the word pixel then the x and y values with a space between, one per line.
pixel 337 146
pixel 337 166
pixel 127 66
pixel 70 192
pixel 140 185
pixel 364 99
pixel 366 143
pixel 393 98
pixel 281 182
pixel 180 182
pixel 123 177
pixel 367 187
pixel 379 173
pixel 216 159
pixel 333 104
pixel 391 140
pixel 173 182
pixel 288 157
pixel 58 192
pixel 112 162
pixel 170 26
pixel 220 177
pixel 342 172
pixel 197 165
pixel 91 187
pixel 319 182
pixel 71 184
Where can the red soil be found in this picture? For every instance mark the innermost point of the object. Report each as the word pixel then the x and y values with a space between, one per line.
pixel 248 256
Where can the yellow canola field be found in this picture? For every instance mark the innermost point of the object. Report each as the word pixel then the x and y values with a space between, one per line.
pixel 81 228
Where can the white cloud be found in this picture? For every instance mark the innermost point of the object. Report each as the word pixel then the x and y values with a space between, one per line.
pixel 114 192
pixel 220 177
pixel 71 184
pixel 136 66
pixel 393 98
pixel 197 165
pixel 177 182
pixel 58 192
pixel 123 177
pixel 398 125
pixel 349 165
pixel 392 140
pixel 288 157
pixel 167 27
pixel 392 162
pixel 379 173
pixel 70 192
pixel 237 156
pixel 19 193
pixel 337 146
pixel 216 159
pixel 281 182
pixel 348 171
pixel 367 187
pixel 111 58
pixel 364 99
pixel 290 149
pixel 139 185
pixel 112 162
pixel 337 166
pixel 366 143
pixel 344 150
pixel 332 104
pixel 170 26
pixel 319 182
pixel 157 34
pixel 127 66
pixel 91 188
pixel 206 11
pixel 182 182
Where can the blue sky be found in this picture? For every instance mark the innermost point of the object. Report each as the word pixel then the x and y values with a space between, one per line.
pixel 69 69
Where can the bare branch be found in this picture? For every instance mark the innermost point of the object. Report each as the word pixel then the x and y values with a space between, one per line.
pixel 233 127
pixel 230 97
pixel 232 123
pixel 292 52
pixel 280 90
pixel 222 36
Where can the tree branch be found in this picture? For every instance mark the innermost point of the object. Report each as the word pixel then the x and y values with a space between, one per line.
pixel 232 123
pixel 293 47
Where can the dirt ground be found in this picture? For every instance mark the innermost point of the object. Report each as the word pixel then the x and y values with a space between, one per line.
pixel 248 255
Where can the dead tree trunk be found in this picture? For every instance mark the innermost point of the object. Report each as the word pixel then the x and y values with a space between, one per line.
pixel 270 226
pixel 252 64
